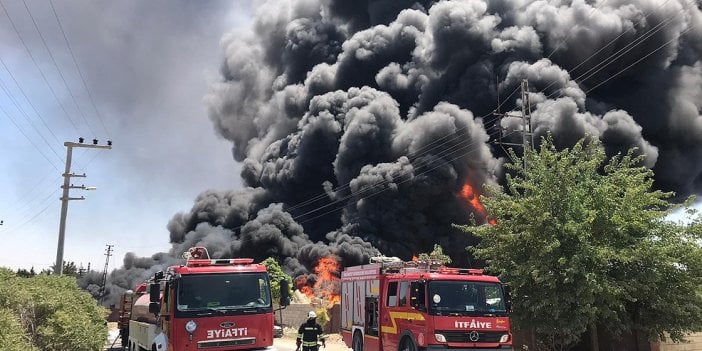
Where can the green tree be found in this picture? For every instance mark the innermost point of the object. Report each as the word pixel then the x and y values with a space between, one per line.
pixel 276 274
pixel 436 255
pixel 69 269
pixel 26 273
pixel 583 243
pixel 50 313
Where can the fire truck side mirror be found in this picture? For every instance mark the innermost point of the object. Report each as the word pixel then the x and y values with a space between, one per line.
pixel 154 307
pixel 154 292
pixel 154 297
pixel 284 293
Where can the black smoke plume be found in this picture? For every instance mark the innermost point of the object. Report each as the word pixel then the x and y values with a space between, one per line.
pixel 358 122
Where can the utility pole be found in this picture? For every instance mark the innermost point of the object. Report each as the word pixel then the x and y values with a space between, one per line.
pixel 108 253
pixel 58 270
pixel 527 134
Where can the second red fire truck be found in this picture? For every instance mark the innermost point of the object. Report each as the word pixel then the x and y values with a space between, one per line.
pixel 213 304
pixel 394 305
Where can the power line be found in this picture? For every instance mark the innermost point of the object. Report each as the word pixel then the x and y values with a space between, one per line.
pixel 17 227
pixel 636 62
pixel 613 40
pixel 80 72
pixel 558 46
pixel 609 59
pixel 28 138
pixel 621 52
pixel 63 79
pixel 23 199
pixel 370 191
pixel 41 72
pixel 367 192
pixel 372 194
pixel 29 208
pixel 24 114
pixel 423 151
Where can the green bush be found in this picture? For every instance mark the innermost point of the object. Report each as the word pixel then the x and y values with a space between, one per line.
pixel 52 313
pixel 12 337
pixel 323 316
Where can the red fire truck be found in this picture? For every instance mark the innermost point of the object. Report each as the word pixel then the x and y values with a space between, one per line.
pixel 214 304
pixel 394 305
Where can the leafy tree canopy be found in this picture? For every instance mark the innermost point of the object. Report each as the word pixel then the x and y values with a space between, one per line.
pixel 276 274
pixel 583 242
pixel 436 255
pixel 69 269
pixel 48 313
pixel 26 273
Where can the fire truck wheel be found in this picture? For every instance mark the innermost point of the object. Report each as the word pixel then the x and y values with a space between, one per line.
pixel 357 344
pixel 407 344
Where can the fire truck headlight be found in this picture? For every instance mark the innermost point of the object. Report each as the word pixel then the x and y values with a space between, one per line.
pixel 504 338
pixel 440 337
pixel 190 326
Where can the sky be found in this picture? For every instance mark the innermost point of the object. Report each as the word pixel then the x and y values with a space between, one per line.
pixel 133 72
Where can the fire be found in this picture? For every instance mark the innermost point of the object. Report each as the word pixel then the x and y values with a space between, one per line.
pixel 415 258
pixel 328 270
pixel 473 198
pixel 325 289
pixel 303 286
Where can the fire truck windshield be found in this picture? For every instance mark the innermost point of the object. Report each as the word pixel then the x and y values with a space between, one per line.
pixel 232 293
pixel 464 298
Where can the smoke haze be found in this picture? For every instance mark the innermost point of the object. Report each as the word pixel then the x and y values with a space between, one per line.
pixel 358 123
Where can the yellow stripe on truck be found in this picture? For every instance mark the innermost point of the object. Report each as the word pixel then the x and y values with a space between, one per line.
pixel 410 316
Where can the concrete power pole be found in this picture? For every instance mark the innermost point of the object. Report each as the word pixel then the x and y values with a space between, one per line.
pixel 527 135
pixel 58 270
pixel 108 253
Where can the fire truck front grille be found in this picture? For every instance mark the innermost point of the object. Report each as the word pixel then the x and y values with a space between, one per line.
pixel 225 343
pixel 464 336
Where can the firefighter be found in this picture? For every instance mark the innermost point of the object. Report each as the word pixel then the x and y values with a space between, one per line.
pixel 309 334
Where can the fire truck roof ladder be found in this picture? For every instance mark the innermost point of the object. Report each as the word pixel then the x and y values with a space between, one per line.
pixel 393 266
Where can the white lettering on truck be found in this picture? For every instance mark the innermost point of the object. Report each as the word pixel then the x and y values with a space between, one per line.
pixel 227 333
pixel 473 324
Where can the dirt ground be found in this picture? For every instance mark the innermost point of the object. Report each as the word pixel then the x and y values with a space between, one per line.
pixel 286 343
pixel 334 341
pixel 112 343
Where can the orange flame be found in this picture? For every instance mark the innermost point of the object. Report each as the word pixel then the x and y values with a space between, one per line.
pixel 303 286
pixel 326 289
pixel 327 285
pixel 473 199
pixel 415 258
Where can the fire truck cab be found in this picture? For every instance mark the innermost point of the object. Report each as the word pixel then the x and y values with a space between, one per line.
pixel 214 304
pixel 394 305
